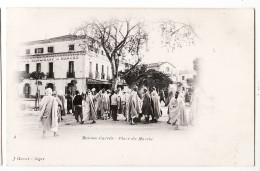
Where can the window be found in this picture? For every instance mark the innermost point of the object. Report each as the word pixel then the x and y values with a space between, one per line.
pixel 97 67
pixel 108 73
pixel 71 66
pixel 183 89
pixel 167 69
pixel 102 69
pixel 38 50
pixel 183 77
pixel 27 68
pixel 71 47
pixel 51 67
pixel 27 51
pixel 38 67
pixel 50 49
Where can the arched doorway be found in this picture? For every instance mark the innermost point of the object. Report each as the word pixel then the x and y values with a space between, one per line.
pixel 71 88
pixel 27 90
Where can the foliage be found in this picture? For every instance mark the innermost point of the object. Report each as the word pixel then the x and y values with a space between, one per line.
pixel 187 97
pixel 176 34
pixel 23 75
pixel 191 81
pixel 37 75
pixel 149 78
pixel 116 37
pixel 179 84
pixel 196 64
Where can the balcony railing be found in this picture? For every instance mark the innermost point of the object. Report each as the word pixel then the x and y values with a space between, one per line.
pixel 103 76
pixel 71 74
pixel 50 75
pixel 97 75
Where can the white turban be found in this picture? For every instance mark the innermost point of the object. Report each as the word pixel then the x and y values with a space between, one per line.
pixel 48 91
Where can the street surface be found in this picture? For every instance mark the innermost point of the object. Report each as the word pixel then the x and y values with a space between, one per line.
pixel 31 127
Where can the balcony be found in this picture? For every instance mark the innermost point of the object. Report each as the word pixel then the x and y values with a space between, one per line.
pixel 97 75
pixel 103 76
pixel 50 75
pixel 71 74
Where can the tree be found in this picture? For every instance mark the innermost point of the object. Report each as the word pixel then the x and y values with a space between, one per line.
pixel 141 76
pixel 191 81
pixel 196 65
pixel 36 76
pixel 177 34
pixel 179 84
pixel 22 75
pixel 116 37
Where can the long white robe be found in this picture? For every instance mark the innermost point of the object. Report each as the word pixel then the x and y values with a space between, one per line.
pixel 49 113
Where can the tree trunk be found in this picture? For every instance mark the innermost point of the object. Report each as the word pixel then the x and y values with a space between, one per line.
pixel 36 96
pixel 114 83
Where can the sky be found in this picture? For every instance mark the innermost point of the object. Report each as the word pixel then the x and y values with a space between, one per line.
pixel 30 24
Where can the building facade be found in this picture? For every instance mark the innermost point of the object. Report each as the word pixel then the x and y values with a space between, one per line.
pixel 183 76
pixel 68 63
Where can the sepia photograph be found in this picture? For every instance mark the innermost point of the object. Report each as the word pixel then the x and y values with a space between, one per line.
pixel 130 87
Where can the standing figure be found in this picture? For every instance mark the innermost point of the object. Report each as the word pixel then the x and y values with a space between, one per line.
pixel 162 96
pixel 62 99
pixel 134 108
pixel 60 107
pixel 89 108
pixel 174 113
pixel 77 102
pixel 104 104
pixel 124 99
pixel 37 99
pixel 93 90
pixel 109 103
pixel 69 103
pixel 182 110
pixel 114 105
pixel 168 99
pixel 155 106
pixel 120 94
pixel 194 106
pixel 98 104
pixel 147 107
pixel 49 113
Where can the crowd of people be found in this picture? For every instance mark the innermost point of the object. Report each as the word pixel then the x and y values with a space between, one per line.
pixel 90 106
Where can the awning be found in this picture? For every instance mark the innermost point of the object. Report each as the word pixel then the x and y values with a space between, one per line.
pixel 93 81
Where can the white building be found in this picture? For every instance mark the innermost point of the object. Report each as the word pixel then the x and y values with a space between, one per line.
pixel 165 67
pixel 68 63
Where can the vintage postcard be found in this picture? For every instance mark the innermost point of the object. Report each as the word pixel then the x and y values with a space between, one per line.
pixel 130 87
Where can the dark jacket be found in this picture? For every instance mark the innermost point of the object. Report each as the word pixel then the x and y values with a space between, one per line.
pixel 77 100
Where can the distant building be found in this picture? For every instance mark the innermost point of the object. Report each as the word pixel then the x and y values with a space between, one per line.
pixel 165 67
pixel 183 76
pixel 68 62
